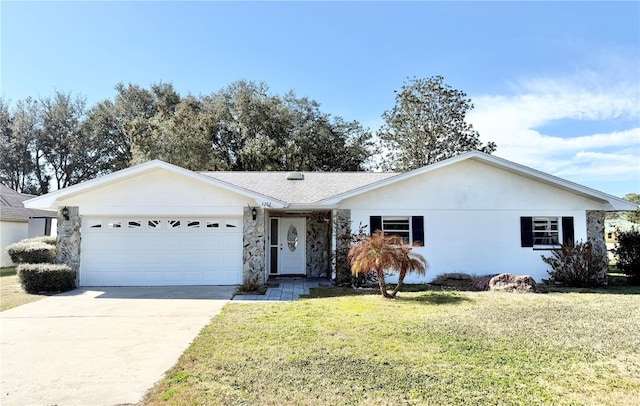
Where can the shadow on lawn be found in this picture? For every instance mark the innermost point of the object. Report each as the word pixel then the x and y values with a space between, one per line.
pixel 425 296
pixel 435 298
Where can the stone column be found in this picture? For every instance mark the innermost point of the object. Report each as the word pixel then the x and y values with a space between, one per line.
pixel 68 240
pixel 342 229
pixel 595 235
pixel 253 252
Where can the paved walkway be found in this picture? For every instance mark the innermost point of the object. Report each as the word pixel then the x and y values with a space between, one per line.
pixel 288 289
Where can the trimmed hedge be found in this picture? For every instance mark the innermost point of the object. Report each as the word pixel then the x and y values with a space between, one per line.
pixel 47 239
pixel 36 278
pixel 31 252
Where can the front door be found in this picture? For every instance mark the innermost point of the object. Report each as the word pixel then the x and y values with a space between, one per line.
pixel 291 258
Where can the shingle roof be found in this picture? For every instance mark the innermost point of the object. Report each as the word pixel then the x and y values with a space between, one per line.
pixel 315 186
pixel 11 207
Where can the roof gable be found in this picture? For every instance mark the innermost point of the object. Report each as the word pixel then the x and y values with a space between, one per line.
pixel 613 203
pixel 51 200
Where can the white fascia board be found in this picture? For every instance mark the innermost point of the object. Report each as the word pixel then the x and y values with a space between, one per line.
pixel 612 203
pixel 49 200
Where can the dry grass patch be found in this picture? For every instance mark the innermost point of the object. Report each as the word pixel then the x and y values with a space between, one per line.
pixel 11 293
pixel 425 348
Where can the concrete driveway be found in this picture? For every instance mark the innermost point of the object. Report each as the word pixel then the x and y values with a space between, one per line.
pixel 99 346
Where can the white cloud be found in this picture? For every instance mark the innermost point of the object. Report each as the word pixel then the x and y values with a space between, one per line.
pixel 512 121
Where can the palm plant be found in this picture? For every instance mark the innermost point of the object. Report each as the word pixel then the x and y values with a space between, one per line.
pixel 381 252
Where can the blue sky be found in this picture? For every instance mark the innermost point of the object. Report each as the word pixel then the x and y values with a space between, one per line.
pixel 555 84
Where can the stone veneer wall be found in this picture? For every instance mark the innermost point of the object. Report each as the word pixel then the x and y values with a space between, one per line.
pixel 595 235
pixel 342 224
pixel 68 240
pixel 318 244
pixel 253 254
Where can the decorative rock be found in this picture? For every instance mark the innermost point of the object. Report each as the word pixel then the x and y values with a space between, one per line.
pixel 513 283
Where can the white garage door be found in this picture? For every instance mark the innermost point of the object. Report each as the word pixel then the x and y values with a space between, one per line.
pixel 161 251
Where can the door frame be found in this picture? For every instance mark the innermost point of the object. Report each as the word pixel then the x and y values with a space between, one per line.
pixel 274 260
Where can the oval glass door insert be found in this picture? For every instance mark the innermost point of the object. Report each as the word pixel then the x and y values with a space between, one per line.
pixel 292 238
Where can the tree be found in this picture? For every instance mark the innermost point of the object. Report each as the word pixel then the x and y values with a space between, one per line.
pixel 633 216
pixel 380 253
pixel 427 124
pixel 18 156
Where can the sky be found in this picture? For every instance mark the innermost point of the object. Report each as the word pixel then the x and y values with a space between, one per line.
pixel 556 85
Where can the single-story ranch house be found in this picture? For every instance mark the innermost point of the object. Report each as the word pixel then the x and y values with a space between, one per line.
pixel 159 224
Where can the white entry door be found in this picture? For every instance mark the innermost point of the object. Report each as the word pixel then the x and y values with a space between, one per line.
pixel 292 258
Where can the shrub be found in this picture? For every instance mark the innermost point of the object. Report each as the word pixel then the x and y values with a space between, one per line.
pixel 31 252
pixel 576 265
pixel 627 252
pixel 36 278
pixel 47 239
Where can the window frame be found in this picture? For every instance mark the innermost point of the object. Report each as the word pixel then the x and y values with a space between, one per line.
pixel 415 230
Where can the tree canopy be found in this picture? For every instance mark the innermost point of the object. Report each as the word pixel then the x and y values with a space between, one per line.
pixel 57 141
pixel 427 124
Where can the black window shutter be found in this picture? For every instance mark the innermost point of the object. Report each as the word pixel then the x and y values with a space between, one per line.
pixel 417 227
pixel 375 222
pixel 526 231
pixel 567 231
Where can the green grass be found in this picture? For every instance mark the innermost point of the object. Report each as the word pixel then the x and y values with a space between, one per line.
pixel 433 347
pixel 11 293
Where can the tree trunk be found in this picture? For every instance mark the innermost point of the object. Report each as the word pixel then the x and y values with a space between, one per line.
pixel 400 282
pixel 383 284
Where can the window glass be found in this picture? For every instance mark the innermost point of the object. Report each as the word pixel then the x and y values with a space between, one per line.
pixel 174 223
pixel 546 231
pixel 213 224
pixel 193 224
pixel 114 224
pixel 400 226
pixel 153 223
pixel 134 224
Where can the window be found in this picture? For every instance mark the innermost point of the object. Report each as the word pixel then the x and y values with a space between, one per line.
pixel 174 223
pixel 397 226
pixel 213 224
pixel 153 223
pixel 410 228
pixel 193 224
pixel 114 224
pixel 546 232
pixel 134 224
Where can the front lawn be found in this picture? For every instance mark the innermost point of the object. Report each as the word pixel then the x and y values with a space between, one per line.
pixel 11 293
pixel 425 348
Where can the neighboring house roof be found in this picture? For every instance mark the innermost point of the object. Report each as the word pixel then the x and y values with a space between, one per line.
pixel 613 225
pixel 321 189
pixel 12 208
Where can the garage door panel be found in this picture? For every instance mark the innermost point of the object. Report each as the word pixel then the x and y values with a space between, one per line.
pixel 153 252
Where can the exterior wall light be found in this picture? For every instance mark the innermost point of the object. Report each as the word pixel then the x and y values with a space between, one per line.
pixel 254 213
pixel 65 213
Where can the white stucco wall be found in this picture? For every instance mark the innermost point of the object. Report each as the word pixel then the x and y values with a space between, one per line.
pixel 10 232
pixel 472 217
pixel 158 192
